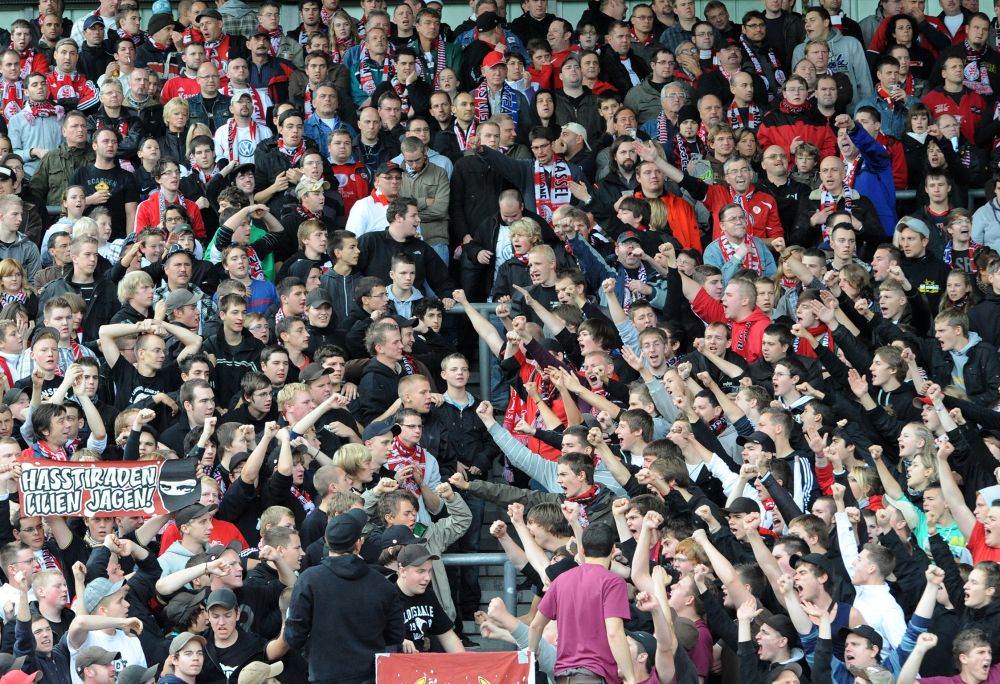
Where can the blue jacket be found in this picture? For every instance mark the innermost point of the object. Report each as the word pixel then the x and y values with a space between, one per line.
pixel 220 115
pixel 596 269
pixel 893 120
pixel 714 257
pixel 874 178
pixel 513 42
pixel 316 130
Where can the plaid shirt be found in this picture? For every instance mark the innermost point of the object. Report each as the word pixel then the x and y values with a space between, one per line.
pixel 206 307
pixel 244 25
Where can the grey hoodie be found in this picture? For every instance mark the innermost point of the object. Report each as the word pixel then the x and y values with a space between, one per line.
pixel 175 558
pixel 24 251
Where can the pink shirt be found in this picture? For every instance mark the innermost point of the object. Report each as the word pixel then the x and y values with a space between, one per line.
pixel 580 600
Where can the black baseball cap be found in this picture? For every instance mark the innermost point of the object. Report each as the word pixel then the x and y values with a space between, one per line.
pixel 379 428
pixel 345 529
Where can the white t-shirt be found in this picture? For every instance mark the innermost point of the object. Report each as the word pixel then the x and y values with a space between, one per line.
pixel 119 642
pixel 245 145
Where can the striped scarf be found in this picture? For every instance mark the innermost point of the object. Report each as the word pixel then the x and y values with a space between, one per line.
pixel 400 456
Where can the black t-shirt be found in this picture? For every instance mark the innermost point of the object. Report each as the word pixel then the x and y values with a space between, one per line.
pixel 131 387
pixel 120 184
pixel 423 617
pixel 225 664
pixel 49 387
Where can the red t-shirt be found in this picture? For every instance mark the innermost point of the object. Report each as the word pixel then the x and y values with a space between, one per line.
pixel 978 548
pixel 179 86
pixel 222 533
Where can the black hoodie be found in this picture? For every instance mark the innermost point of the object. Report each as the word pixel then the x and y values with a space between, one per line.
pixel 342 601
pixel 376 391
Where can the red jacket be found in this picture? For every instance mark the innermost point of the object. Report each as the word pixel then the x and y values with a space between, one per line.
pixel 746 334
pixel 880 42
pixel 353 179
pixel 900 174
pixel 761 208
pixel 969 110
pixel 780 128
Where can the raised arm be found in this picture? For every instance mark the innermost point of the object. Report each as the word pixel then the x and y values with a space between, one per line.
pixel 481 324
pixel 964 518
pixel 911 668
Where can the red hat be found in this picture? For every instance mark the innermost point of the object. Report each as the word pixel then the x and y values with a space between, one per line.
pixel 18 677
pixel 493 59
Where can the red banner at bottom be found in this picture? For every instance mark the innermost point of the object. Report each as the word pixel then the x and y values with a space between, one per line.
pixel 503 667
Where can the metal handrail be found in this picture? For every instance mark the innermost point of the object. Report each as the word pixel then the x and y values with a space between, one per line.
pixel 509 572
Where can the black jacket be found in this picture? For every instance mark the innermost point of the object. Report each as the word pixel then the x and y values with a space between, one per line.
pixel 232 363
pixel 377 250
pixel 269 161
pixel 582 110
pixel 928 275
pixel 614 73
pixel 129 126
pixel 103 304
pixel 475 184
pixel 467 441
pixel 376 391
pixel 984 318
pixel 981 372
pixel 343 602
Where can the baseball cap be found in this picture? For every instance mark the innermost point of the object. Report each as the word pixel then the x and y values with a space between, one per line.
pixel 158 22
pixel 211 13
pixel 222 597
pixel 487 21
pixel 319 297
pixel 742 504
pixel 786 667
pixel 259 673
pixel 7 173
pixel 782 624
pixel 920 402
pixel 137 674
pixel 493 59
pixel 310 185
pixel 182 228
pixel 817 559
pixel 235 461
pixel 216 550
pixel 757 437
pixel 865 632
pixel 415 554
pixel 182 606
pixel 873 674
pixel 914 224
pixel 95 655
pixel 646 641
pixel 8 662
pixel 345 529
pixel 12 395
pixel 403 321
pixel 176 249
pixel 388 167
pixel 98 590
pixel 189 513
pixel 379 428
pixel 314 371
pixel 18 677
pixel 628 235
pixel 92 21
pixel 398 535
pixel 578 130
pixel 182 639
pixel 179 298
